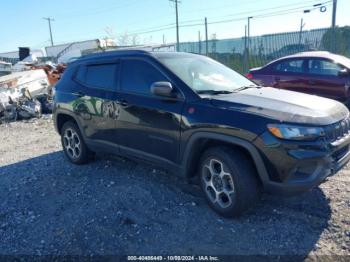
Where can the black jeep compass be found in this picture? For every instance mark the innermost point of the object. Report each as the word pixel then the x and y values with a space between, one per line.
pixel 197 117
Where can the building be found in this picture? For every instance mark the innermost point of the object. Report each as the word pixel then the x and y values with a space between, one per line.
pixel 15 54
pixel 58 51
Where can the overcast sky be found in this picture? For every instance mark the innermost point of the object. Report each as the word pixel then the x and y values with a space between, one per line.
pixel 22 23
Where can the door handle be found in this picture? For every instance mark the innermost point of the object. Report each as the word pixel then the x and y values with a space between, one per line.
pixel 312 82
pixel 79 94
pixel 277 78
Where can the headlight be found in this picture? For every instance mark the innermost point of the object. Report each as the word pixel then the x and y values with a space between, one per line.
pixel 295 132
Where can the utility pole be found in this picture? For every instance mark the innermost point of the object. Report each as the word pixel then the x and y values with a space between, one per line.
pixel 334 22
pixel 177 25
pixel 302 24
pixel 250 17
pixel 334 15
pixel 245 52
pixel 206 37
pixel 199 43
pixel 49 19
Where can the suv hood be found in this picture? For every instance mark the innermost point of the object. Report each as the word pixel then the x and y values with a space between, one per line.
pixel 284 106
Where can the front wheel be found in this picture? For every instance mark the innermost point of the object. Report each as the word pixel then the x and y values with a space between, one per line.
pixel 228 180
pixel 73 144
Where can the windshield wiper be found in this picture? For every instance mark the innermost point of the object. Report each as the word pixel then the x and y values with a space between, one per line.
pixel 214 92
pixel 247 87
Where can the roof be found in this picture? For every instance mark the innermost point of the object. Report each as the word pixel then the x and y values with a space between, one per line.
pixel 109 54
pixel 318 54
pixel 312 54
pixel 323 54
pixel 127 52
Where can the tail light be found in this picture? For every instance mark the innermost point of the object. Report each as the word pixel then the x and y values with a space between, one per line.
pixel 249 76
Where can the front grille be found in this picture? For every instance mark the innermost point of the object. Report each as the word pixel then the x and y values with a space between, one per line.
pixel 337 155
pixel 338 130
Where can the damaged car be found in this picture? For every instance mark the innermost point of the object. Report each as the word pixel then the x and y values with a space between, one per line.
pixel 203 121
pixel 24 95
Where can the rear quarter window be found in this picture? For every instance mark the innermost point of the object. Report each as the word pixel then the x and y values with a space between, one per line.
pixel 101 76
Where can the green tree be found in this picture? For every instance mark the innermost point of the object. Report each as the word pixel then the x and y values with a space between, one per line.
pixel 337 40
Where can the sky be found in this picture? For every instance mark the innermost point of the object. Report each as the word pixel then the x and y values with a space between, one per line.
pixel 23 23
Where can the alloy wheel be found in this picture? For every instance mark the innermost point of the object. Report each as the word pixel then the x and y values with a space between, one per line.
pixel 218 183
pixel 72 143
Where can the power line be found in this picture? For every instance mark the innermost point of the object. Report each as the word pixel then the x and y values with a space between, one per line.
pixel 74 15
pixel 154 29
pixel 297 5
pixel 199 22
pixel 263 15
pixel 221 7
pixel 286 11
pixel 238 13
pixel 291 11
pixel 150 28
pixel 281 12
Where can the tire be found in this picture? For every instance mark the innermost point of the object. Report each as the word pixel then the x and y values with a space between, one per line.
pixel 228 180
pixel 73 144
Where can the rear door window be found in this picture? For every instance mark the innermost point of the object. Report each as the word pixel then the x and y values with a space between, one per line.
pixel 99 76
pixel 138 76
pixel 290 66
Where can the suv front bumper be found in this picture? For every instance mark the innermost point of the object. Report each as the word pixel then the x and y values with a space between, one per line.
pixel 296 167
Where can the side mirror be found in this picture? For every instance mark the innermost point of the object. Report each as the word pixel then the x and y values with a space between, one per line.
pixel 162 89
pixel 344 72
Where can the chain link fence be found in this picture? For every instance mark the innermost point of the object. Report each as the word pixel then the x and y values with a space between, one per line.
pixel 241 54
pixel 244 53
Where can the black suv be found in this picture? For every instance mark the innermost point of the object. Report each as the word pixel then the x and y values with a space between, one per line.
pixel 197 117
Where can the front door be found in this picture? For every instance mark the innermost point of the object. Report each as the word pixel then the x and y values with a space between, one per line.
pixel 147 124
pixel 324 80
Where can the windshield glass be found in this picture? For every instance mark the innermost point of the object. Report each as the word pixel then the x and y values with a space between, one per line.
pixel 201 73
pixel 343 60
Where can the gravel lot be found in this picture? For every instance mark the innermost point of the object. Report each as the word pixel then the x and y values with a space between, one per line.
pixel 116 206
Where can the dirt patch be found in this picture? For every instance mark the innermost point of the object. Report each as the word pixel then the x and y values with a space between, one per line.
pixel 117 206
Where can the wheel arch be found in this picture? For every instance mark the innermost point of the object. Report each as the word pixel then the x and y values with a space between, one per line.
pixel 200 141
pixel 62 117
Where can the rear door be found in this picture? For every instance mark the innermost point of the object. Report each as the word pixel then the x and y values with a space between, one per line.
pixel 324 80
pixel 97 99
pixel 290 74
pixel 147 124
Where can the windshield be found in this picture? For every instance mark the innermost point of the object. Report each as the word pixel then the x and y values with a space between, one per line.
pixel 343 60
pixel 204 74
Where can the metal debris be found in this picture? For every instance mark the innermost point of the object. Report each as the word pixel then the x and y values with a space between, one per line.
pixel 28 93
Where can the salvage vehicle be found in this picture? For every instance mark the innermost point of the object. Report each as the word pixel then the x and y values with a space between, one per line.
pixel 317 73
pixel 20 93
pixel 5 68
pixel 198 118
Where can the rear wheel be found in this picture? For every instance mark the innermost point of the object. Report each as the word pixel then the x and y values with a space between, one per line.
pixel 73 144
pixel 228 181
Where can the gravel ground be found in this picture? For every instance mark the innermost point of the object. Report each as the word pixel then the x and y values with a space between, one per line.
pixel 117 206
